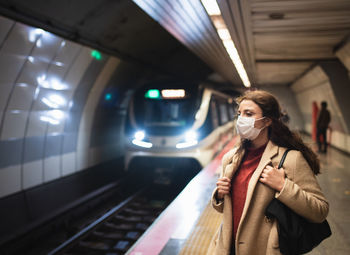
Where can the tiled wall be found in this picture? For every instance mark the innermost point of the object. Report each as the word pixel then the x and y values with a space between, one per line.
pixel 49 88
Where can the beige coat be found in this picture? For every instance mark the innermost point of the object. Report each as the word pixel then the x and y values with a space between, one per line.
pixel 257 235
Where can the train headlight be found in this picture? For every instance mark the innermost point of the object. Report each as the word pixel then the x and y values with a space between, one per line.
pixel 139 136
pixel 191 136
pixel 190 140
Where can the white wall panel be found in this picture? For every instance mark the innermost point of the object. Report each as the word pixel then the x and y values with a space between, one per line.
pixel 5 26
pixel 89 112
pixel 14 125
pixel 5 89
pixel 68 163
pixel 32 71
pixel 36 124
pixel 52 106
pixel 57 128
pixel 75 74
pixel 45 50
pixel 64 58
pixel 10 180
pixel 20 41
pixel 32 174
pixel 39 75
pixel 22 97
pixel 78 68
pixel 52 168
pixel 49 99
pixel 47 46
pixel 10 67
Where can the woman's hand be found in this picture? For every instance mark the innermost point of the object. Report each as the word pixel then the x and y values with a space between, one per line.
pixel 273 177
pixel 223 187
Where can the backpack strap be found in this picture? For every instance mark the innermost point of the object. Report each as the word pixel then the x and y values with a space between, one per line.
pixel 283 158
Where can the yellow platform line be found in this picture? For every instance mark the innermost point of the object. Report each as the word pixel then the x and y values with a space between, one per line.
pixel 201 235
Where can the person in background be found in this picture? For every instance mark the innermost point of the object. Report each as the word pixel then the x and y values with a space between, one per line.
pixel 324 118
pixel 249 180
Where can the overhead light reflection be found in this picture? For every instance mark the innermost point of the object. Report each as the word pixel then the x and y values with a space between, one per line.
pixel 34 34
pixel 39 43
pixel 53 83
pixel 36 93
pixel 54 101
pixel 57 114
pixel 58 63
pixel 57 85
pixel 53 117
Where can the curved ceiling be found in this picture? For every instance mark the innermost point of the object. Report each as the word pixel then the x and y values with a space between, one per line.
pixel 277 41
pixel 116 27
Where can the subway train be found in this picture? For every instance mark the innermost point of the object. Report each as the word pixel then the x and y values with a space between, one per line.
pixel 177 126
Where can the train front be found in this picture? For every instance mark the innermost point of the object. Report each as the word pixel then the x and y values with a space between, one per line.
pixel 160 131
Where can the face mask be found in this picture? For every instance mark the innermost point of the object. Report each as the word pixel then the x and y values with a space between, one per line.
pixel 245 127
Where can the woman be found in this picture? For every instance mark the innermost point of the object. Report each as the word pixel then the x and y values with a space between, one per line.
pixel 249 180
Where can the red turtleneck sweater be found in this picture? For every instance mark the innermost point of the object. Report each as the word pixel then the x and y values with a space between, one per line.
pixel 240 182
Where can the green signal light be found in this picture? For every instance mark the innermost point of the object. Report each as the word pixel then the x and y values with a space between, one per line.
pixel 96 55
pixel 108 96
pixel 152 94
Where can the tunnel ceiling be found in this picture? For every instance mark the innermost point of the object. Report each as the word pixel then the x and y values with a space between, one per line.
pixel 117 27
pixel 278 41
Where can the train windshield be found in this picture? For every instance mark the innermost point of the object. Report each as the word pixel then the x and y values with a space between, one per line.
pixel 166 113
pixel 163 113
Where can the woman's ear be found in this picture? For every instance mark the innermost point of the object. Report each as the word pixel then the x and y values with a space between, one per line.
pixel 268 121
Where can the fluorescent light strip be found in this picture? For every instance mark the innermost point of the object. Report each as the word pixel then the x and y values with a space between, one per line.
pixel 212 7
pixel 213 11
pixel 224 34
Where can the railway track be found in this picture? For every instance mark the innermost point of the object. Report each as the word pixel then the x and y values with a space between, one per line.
pixel 109 221
pixel 118 229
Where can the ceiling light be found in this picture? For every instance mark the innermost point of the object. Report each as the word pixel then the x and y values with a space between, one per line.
pixel 212 7
pixel 224 34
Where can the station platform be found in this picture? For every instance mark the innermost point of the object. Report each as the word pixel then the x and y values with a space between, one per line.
pixel 187 226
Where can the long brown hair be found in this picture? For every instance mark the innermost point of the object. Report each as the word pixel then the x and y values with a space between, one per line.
pixel 279 133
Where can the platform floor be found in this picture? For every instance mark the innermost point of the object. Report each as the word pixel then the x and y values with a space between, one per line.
pixel 187 226
pixel 335 182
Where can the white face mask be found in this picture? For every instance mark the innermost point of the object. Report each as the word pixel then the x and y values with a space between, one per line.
pixel 245 127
